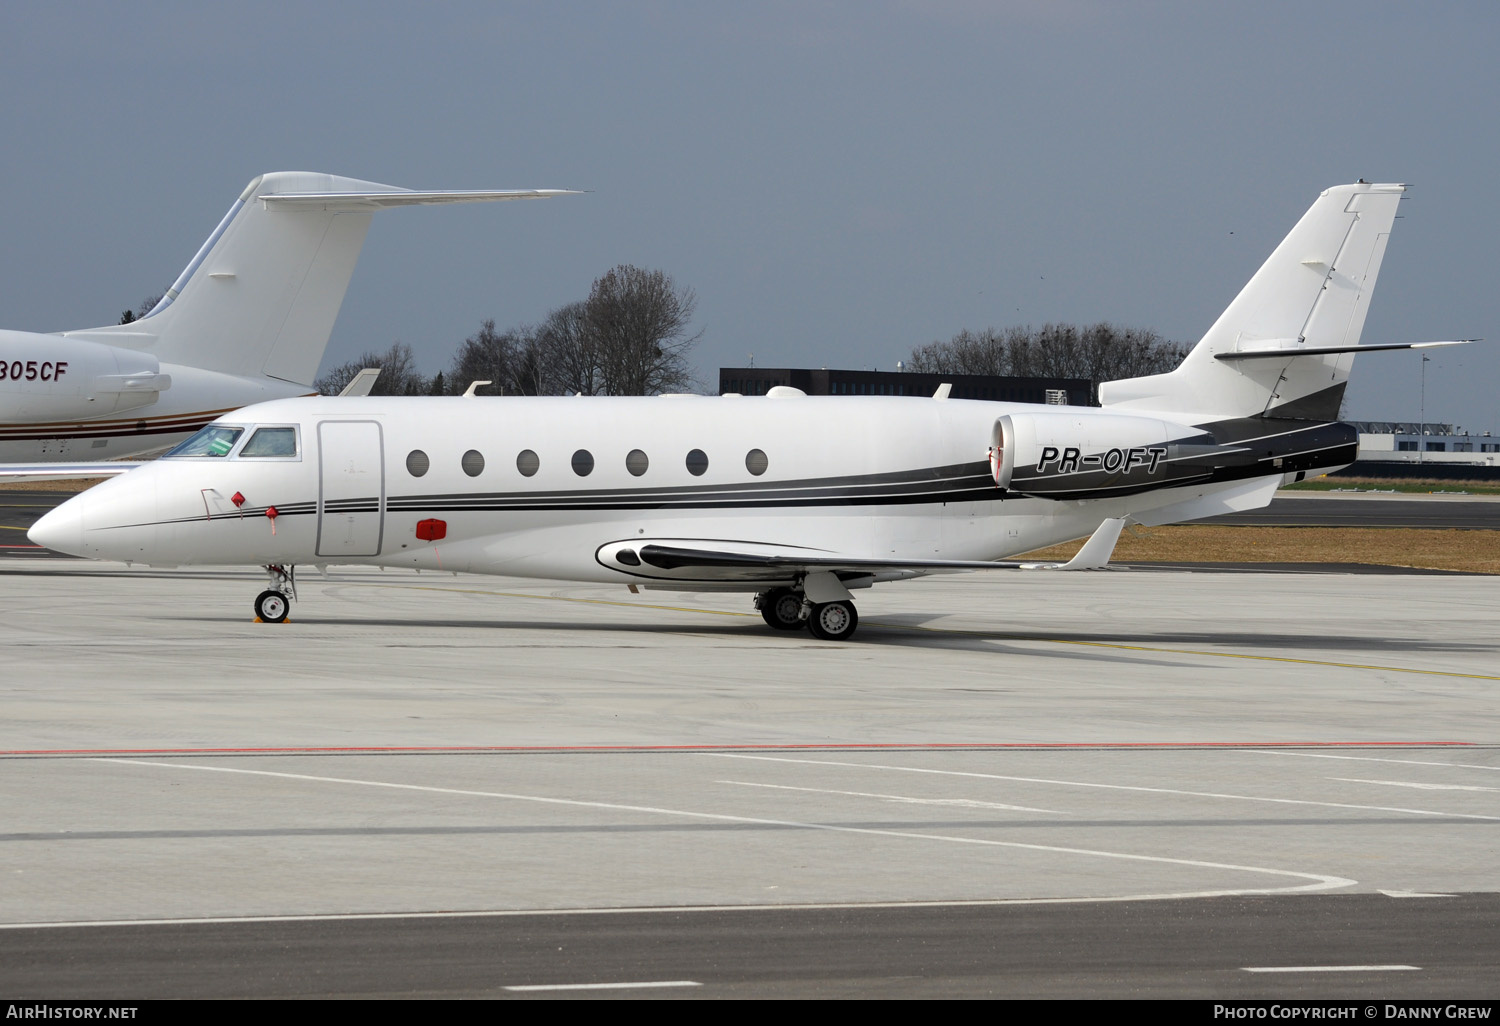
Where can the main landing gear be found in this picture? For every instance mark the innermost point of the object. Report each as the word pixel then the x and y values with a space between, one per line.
pixel 273 604
pixel 787 609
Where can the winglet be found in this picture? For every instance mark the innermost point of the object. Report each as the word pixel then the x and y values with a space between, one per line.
pixel 361 383
pixel 1101 545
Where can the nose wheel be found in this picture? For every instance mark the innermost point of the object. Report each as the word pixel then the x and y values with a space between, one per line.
pixel 271 607
pixel 273 604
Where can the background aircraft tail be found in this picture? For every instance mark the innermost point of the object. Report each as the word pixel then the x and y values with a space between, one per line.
pixel 1281 348
pixel 262 293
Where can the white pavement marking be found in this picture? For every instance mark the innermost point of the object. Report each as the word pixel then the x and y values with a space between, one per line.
pixel 608 986
pixel 1107 787
pixel 962 803
pixel 1416 784
pixel 1319 881
pixel 1371 758
pixel 1416 894
pixel 1332 968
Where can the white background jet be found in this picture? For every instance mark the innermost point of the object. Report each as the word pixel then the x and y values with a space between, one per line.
pixel 246 321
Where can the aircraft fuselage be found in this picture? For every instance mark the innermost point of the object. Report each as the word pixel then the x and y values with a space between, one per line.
pixel 552 488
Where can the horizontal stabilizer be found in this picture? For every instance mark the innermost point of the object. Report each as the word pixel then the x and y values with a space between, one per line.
pixel 385 200
pixel 1283 353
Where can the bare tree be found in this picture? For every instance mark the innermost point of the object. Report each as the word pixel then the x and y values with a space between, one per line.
pixel 1099 352
pixel 630 337
pixel 147 305
pixel 486 355
pixel 637 322
pixel 398 373
pixel 532 371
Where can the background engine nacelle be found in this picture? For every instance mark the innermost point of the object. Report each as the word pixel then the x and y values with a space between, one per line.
pixel 47 378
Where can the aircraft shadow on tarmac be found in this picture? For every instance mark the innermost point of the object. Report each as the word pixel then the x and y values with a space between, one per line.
pixel 912 631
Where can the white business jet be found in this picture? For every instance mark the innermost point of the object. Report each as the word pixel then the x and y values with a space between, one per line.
pixel 800 500
pixel 246 321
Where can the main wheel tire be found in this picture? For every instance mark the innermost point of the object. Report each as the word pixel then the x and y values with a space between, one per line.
pixel 272 606
pixel 781 608
pixel 833 621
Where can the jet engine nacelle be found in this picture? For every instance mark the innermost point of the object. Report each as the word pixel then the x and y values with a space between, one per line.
pixel 1052 454
pixel 47 378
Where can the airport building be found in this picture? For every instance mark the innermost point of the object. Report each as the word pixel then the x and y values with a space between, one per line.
pixel 823 381
pixel 1392 442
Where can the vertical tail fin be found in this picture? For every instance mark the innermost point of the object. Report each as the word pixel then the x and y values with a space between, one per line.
pixel 1312 293
pixel 261 295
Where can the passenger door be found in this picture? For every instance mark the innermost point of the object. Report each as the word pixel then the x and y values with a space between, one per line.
pixel 351 488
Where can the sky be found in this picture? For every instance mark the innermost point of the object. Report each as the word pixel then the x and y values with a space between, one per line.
pixel 837 182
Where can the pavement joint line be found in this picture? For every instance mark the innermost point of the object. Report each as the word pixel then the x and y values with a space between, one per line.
pixel 605 986
pixel 1319 881
pixel 1416 784
pixel 961 803
pixel 1332 968
pixel 957 631
pixel 1371 758
pixel 1107 787
pixel 1254 747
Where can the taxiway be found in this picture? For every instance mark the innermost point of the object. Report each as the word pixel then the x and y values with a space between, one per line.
pixel 418 755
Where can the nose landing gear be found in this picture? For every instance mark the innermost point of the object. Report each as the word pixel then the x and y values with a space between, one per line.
pixel 273 604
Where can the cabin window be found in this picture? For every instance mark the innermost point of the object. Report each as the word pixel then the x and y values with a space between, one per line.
pixel 697 462
pixel 272 441
pixel 214 440
pixel 472 462
pixel 417 463
pixel 756 462
pixel 583 463
pixel 636 463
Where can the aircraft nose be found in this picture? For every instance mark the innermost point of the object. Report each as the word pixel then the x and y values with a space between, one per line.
pixel 60 530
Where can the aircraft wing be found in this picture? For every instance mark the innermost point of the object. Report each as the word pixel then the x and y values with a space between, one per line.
pixel 11 472
pixel 737 561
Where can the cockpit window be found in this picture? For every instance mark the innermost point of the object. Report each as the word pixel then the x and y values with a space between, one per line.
pixel 214 440
pixel 271 441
